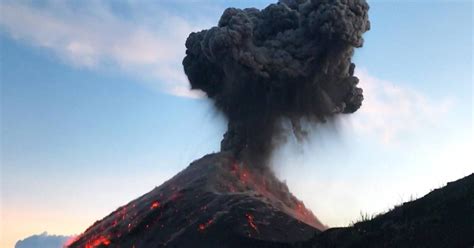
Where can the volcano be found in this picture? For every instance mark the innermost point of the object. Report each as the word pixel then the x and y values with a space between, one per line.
pixel 215 202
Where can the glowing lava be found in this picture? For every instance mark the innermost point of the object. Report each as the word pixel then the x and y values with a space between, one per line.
pixel 101 240
pixel 155 204
pixel 267 186
pixel 197 207
pixel 70 241
pixel 251 222
pixel 203 226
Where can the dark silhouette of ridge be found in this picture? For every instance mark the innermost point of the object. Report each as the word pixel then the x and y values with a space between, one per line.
pixel 442 218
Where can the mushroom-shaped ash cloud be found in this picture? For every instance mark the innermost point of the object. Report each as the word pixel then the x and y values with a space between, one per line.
pixel 290 60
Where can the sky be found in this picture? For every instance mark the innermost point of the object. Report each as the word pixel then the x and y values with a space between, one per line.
pixel 96 111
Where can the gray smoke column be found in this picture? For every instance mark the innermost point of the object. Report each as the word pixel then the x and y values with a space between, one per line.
pixel 289 61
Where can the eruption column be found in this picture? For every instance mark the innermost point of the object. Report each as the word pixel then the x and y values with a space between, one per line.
pixel 288 61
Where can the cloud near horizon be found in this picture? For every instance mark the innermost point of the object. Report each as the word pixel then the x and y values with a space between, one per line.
pixel 43 240
pixel 95 36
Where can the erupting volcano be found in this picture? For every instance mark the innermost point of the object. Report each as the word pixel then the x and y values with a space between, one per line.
pixel 264 70
pixel 215 202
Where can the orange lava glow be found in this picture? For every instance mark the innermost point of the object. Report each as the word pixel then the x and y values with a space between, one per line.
pixel 155 204
pixel 245 177
pixel 101 240
pixel 241 173
pixel 264 188
pixel 251 222
pixel 203 226
pixel 70 241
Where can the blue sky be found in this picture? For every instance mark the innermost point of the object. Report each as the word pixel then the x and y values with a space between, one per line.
pixel 95 111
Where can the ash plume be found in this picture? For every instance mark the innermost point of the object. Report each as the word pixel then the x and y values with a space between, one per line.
pixel 288 61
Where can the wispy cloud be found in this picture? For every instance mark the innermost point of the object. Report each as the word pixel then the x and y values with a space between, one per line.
pixel 391 110
pixel 149 44
pixel 96 36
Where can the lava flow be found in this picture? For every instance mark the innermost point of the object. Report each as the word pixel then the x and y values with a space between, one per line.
pixel 203 226
pixel 155 204
pixel 215 202
pixel 99 241
pixel 251 222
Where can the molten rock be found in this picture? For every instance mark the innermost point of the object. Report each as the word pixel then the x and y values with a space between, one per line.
pixel 215 202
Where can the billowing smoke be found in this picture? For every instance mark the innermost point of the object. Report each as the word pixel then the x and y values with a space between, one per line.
pixel 289 61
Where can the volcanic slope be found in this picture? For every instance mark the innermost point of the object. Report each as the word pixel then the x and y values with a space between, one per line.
pixel 215 202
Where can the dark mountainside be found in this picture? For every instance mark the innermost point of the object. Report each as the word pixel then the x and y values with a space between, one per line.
pixel 215 202
pixel 218 202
